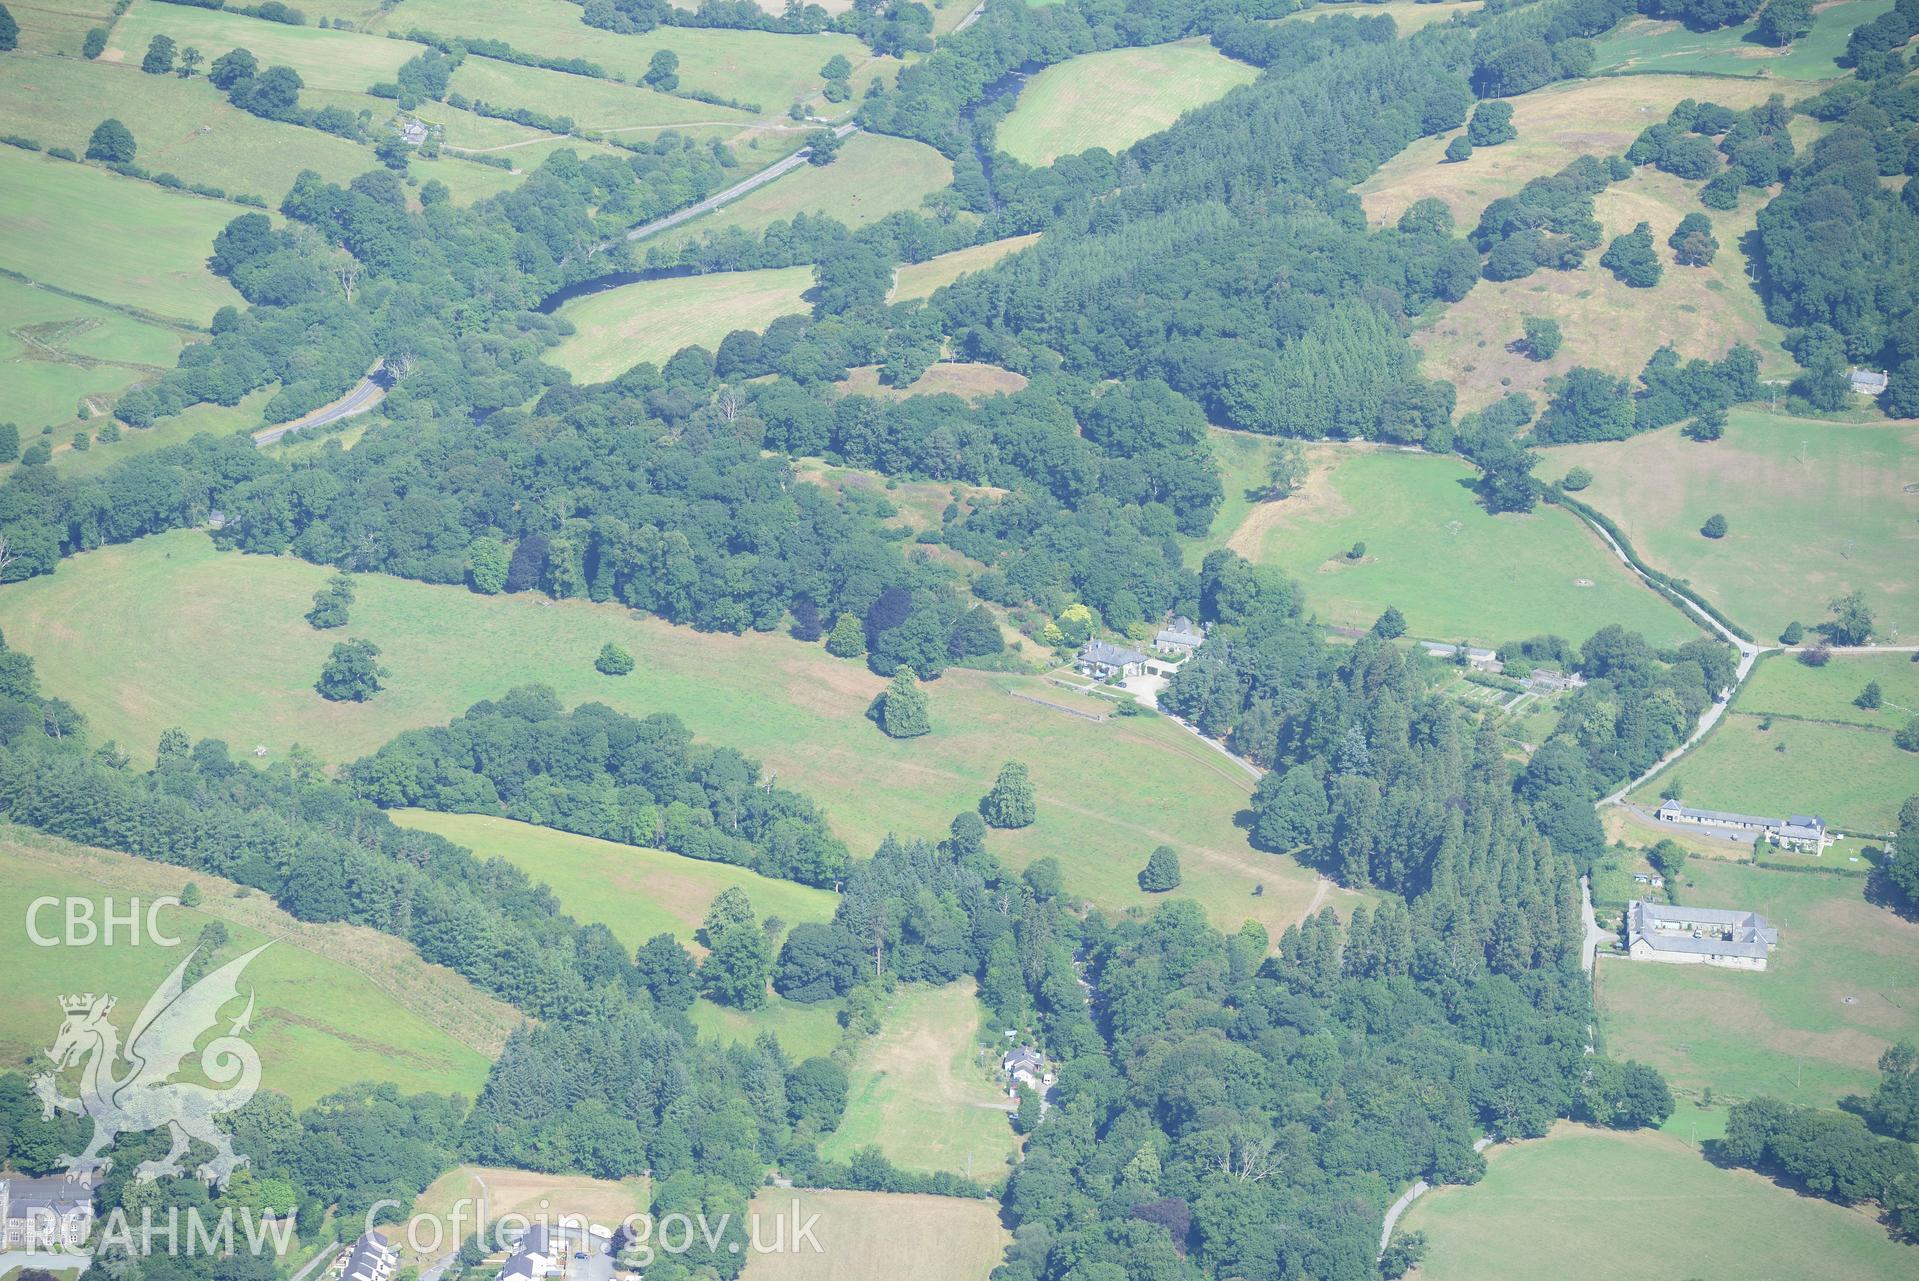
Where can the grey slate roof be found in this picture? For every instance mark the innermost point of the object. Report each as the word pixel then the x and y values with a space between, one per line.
pixel 49 1196
pixel 372 1259
pixel 1668 929
pixel 1181 631
pixel 1109 655
pixel 1718 816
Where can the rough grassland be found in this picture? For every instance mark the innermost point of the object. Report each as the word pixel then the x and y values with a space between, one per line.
pixel 325 59
pixel 752 66
pixel 964 379
pixel 1786 687
pixel 878 1236
pixel 115 239
pixel 58 26
pixel 922 1090
pixel 1801 533
pixel 1837 991
pixel 1243 458
pixel 1557 1206
pixel 1114 99
pixel 616 329
pixel 873 176
pixel 1454 572
pixel 920 279
pixel 1408 15
pixel 593 104
pixel 637 893
pixel 167 631
pixel 803 1031
pixel 57 351
pixel 1854 778
pixel 1643 44
pixel 335 1003
pixel 453 1199
pixel 184 426
pixel 183 127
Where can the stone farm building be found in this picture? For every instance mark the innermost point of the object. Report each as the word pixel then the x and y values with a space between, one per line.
pixel 1726 937
pixel 1867 382
pixel 1795 832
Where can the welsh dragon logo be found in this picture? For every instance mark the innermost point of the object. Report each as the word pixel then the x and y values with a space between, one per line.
pixel 142 1095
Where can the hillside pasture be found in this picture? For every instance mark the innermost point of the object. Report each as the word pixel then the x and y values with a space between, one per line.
pixel 59 26
pixel 617 329
pixel 1115 98
pixel 1407 15
pixel 921 279
pixel 1845 518
pixel 964 379
pixel 803 1031
pixel 1783 686
pixel 169 631
pixel 1644 44
pixel 876 1236
pixel 923 1090
pixel 325 59
pixel 1455 572
pixel 335 1004
pixel 57 352
pixel 1809 1029
pixel 109 238
pixel 635 892
pixel 1552 1206
pixel 600 105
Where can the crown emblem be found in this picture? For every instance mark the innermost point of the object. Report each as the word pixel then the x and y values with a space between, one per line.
pixel 81 1004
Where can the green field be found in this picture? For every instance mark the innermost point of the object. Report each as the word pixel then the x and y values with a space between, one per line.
pixel 637 893
pixel 1453 571
pixel 181 427
pixel 325 59
pixel 1801 533
pixel 920 279
pixel 58 26
pixel 1854 778
pixel 1809 1029
pixel 130 633
pixel 923 1090
pixel 1646 45
pixel 878 1236
pixel 803 1031
pixel 1243 458
pixel 335 1004
pixel 616 329
pixel 599 105
pixel 874 176
pixel 56 352
pixel 1784 686
pixel 1407 15
pixel 1564 1205
pixel 183 127
pixel 115 239
pixel 1114 99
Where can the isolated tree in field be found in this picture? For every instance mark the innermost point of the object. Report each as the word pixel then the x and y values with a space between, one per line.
pixel 1390 625
pixel 112 142
pixel 848 638
pixel 1161 872
pixel 1783 21
pixel 1851 621
pixel 1794 633
pixel 902 711
pixel 352 673
pixel 486 562
pixel 1871 698
pixel 94 44
pixel 613 661
pixel 1356 552
pixel 1459 149
pixel 1286 469
pixel 1907 739
pixel 330 603
pixel 822 147
pixel 159 59
pixel 1692 241
pixel 663 72
pixel 233 67
pixel 1632 260
pixel 1715 526
pixel 836 68
pixel 190 60
pixel 9 31
pixel 1492 124
pixel 1576 479
pixel 1543 338
pixel 1011 803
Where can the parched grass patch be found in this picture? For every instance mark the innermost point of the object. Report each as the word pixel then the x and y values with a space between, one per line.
pixel 923 1089
pixel 325 59
pixel 1647 45
pixel 1455 572
pixel 169 631
pixel 878 1236
pixel 1407 15
pixel 616 329
pixel 920 279
pixel 334 1004
pixel 1808 1029
pixel 451 1199
pixel 1114 99
pixel 56 352
pixel 1243 459
pixel 635 892
pixel 1551 1207
pixel 95 233
pixel 874 175
pixel 183 127
pixel 1781 684
pixel 964 379
pixel 1816 509
pixel 1854 778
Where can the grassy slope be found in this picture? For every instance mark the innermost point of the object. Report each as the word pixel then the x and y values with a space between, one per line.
pixel 1243 458
pixel 955 378
pixel 1642 45
pixel 922 1091
pixel 1114 99
pixel 1789 688
pixel 593 104
pixel 1558 1206
pixel 116 239
pixel 58 26
pixel 920 279
pixel 1801 533
pixel 451 1197
pixel 877 1236
pixel 53 350
pixel 1454 571
pixel 130 634
pixel 1853 778
pixel 803 1031
pixel 325 59
pixel 336 1004
pixel 637 893
pixel 1809 1030
pixel 1408 15
pixel 649 321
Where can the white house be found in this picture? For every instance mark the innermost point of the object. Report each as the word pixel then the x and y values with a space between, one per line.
pixel 1103 660
pixel 44 1214
pixel 370 1259
pixel 1726 937
pixel 1024 1066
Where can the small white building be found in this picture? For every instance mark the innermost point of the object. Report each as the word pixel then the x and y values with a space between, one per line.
pixel 1726 937
pixel 44 1214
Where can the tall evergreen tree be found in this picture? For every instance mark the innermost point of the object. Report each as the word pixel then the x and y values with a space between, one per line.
pixel 1011 803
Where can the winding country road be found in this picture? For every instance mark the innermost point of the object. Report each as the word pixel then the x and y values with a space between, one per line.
pixel 369 392
pixel 776 170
